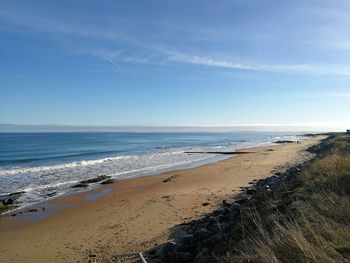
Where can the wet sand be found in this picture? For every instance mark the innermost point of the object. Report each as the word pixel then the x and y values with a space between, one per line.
pixel 134 215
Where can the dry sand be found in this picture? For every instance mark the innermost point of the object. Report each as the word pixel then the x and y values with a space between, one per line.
pixel 137 214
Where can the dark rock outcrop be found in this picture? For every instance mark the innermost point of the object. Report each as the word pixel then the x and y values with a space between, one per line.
pixel 99 179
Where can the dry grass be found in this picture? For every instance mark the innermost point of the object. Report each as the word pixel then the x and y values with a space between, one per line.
pixel 308 222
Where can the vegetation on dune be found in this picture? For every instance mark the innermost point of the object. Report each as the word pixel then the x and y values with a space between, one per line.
pixel 306 221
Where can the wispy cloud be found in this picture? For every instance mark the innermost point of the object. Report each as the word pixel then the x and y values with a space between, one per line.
pixel 161 56
pixel 135 51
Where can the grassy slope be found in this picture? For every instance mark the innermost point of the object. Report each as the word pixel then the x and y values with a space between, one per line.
pixel 307 221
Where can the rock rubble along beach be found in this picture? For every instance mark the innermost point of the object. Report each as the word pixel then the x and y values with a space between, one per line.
pixel 200 238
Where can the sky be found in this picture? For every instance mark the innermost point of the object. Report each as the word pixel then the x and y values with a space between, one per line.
pixel 176 63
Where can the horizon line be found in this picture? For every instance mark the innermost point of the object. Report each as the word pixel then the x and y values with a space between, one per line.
pixel 293 127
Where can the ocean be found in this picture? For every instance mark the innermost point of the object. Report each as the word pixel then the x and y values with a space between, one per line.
pixel 45 165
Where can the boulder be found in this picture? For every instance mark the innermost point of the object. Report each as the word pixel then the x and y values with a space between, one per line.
pixel 183 257
pixel 169 248
pixel 202 256
pixel 211 241
pixel 187 240
pixel 10 201
pixel 201 234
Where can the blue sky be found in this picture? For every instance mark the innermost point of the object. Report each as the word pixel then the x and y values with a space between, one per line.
pixel 170 63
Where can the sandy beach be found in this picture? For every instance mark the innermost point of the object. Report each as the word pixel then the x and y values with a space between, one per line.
pixel 134 215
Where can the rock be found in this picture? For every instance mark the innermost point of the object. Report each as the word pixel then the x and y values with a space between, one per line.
pixel 250 191
pixel 201 234
pixel 187 240
pixel 281 142
pixel 225 203
pixel 235 212
pixel 224 218
pixel 86 183
pixel 169 248
pixel 183 257
pixel 226 211
pixel 211 221
pixel 97 179
pixel 218 211
pixel 51 194
pixel 13 195
pixel 108 181
pixel 179 257
pixel 169 179
pixel 243 200
pixel 200 258
pixel 168 197
pixel 10 201
pixel 80 185
pixel 211 241
pixel 205 204
pixel 225 227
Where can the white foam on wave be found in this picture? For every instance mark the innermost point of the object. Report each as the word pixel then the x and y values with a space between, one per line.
pixel 58 166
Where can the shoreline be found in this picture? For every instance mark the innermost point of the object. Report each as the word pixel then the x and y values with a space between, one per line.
pixel 215 156
pixel 32 185
pixel 138 213
pixel 93 187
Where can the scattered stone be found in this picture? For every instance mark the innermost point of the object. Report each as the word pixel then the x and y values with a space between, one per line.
pixel 169 179
pixel 205 204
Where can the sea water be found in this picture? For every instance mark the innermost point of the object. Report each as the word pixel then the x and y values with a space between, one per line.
pixel 44 165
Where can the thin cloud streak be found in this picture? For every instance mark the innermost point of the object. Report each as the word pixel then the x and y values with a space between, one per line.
pixel 172 56
pixel 142 53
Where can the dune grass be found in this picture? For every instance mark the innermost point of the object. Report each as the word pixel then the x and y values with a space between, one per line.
pixel 307 221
